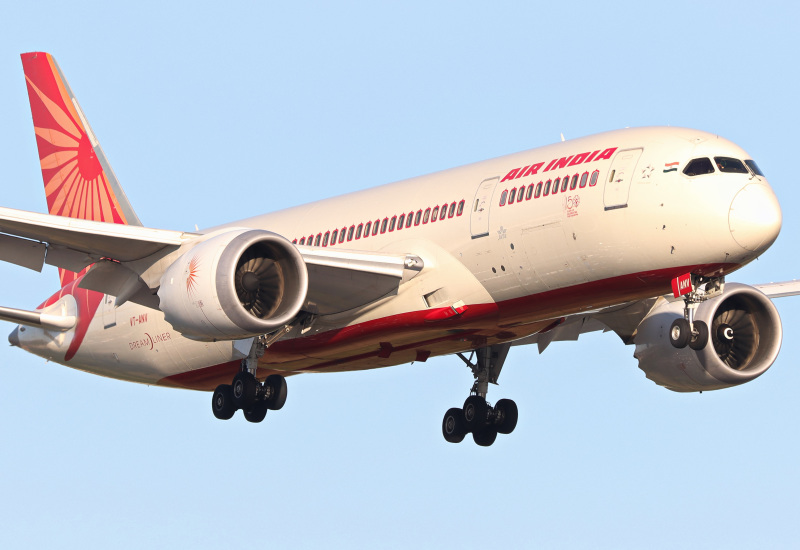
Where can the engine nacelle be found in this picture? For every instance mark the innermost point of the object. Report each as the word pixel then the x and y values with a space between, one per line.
pixel 238 284
pixel 744 340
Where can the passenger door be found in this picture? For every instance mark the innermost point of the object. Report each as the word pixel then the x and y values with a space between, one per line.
pixel 479 213
pixel 618 182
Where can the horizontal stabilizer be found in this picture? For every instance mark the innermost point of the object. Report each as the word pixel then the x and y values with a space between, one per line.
pixel 40 319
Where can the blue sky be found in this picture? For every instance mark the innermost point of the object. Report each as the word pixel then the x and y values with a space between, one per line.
pixel 213 112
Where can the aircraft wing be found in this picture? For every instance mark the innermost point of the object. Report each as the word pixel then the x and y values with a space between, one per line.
pixel 624 319
pixel 338 279
pixel 31 239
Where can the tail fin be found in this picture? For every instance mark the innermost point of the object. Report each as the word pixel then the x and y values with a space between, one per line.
pixel 78 180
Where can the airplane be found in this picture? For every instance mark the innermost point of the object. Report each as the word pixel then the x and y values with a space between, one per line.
pixel 632 231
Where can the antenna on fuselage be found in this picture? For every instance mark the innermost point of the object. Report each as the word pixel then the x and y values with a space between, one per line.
pixel 562 137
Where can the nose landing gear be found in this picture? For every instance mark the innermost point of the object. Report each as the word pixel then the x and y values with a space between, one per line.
pixel 687 331
pixel 477 416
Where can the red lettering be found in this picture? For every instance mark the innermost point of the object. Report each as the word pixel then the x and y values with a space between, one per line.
pixel 578 159
pixel 510 175
pixel 562 162
pixel 549 166
pixel 592 156
pixel 606 154
pixel 533 169
pixel 521 172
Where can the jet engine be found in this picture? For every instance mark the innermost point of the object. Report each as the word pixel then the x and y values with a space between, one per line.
pixel 237 284
pixel 744 340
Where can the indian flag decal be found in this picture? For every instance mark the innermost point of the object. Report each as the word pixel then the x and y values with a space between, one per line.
pixel 671 167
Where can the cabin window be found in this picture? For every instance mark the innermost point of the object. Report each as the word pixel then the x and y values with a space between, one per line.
pixel 529 193
pixel 503 197
pixel 511 195
pixel 375 227
pixel 426 216
pixel 302 240
pixel 342 234
pixel 453 207
pixel 366 229
pixel 698 167
pixel 555 186
pixel 400 221
pixel 443 214
pixel 754 168
pixel 730 165
pixel 435 214
pixel 547 187
pixel 574 183
pixel 595 177
pixel 317 239
pixel 565 183
pixel 409 219
pixel 311 240
pixel 584 179
pixel 358 230
pixel 384 224
pixel 326 238
pixel 333 236
pixel 392 223
pixel 418 217
pixel 350 232
pixel 538 190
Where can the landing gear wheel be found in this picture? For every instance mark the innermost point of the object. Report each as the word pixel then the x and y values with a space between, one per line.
pixel 679 333
pixel 257 412
pixel 222 402
pixel 244 390
pixel 509 413
pixel 453 426
pixel 278 391
pixel 484 436
pixel 475 409
pixel 699 338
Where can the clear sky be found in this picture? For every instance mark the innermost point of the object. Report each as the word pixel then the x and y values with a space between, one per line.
pixel 214 112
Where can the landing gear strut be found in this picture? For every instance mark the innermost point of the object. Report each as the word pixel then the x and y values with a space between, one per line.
pixel 687 331
pixel 254 398
pixel 477 416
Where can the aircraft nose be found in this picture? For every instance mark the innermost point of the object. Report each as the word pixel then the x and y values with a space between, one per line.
pixel 755 217
pixel 13 338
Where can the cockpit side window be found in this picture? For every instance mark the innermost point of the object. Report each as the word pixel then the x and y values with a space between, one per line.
pixel 698 167
pixel 754 168
pixel 730 165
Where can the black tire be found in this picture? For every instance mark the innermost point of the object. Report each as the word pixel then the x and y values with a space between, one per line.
pixel 508 409
pixel 485 436
pixel 453 426
pixel 257 412
pixel 244 390
pixel 679 333
pixel 222 402
pixel 700 337
pixel 278 391
pixel 475 409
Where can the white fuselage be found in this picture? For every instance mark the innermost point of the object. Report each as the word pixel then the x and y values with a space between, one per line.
pixel 517 266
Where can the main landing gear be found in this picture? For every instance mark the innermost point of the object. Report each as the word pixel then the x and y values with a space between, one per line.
pixel 246 392
pixel 477 416
pixel 687 331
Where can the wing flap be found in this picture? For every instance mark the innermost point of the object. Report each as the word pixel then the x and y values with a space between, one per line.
pixel 340 280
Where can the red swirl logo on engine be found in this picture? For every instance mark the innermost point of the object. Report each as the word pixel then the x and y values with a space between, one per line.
pixel 192 275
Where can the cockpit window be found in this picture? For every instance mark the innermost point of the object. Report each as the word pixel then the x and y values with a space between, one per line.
pixel 730 165
pixel 754 167
pixel 698 167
